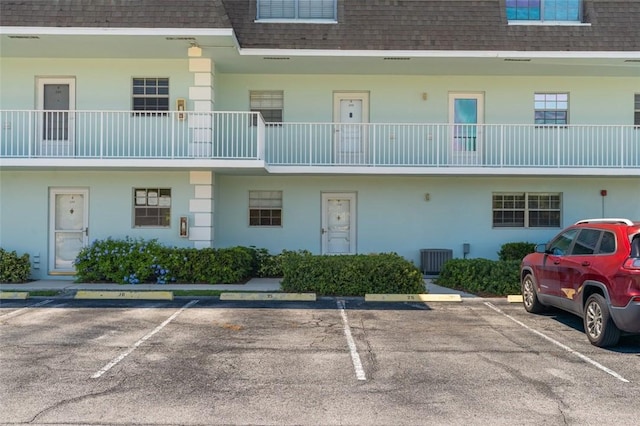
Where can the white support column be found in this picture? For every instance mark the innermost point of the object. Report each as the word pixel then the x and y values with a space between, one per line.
pixel 201 95
pixel 201 208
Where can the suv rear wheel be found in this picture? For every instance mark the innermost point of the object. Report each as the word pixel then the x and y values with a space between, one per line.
pixel 598 324
pixel 529 295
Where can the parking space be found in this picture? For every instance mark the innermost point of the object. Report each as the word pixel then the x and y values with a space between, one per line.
pixel 206 361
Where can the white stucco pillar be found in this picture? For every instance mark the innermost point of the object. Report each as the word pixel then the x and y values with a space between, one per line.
pixel 201 208
pixel 201 97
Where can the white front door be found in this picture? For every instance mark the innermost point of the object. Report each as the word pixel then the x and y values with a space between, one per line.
pixel 68 227
pixel 351 115
pixel 56 103
pixel 466 116
pixel 339 223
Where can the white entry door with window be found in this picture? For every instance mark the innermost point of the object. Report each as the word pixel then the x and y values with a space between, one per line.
pixel 466 116
pixel 68 227
pixel 339 223
pixel 351 113
pixel 56 103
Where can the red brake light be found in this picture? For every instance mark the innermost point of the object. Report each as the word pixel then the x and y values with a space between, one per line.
pixel 632 263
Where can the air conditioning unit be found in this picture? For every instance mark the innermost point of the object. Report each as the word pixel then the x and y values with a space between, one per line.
pixel 431 260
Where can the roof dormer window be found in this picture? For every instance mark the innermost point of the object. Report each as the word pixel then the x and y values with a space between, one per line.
pixel 297 10
pixel 549 11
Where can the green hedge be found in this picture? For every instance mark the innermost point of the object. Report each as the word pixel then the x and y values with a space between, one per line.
pixel 353 275
pixel 515 251
pixel 483 277
pixel 14 268
pixel 134 261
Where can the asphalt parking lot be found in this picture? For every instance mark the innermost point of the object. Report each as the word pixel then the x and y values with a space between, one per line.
pixel 205 361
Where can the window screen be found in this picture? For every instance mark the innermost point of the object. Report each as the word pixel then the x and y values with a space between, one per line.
pixel 150 94
pixel 268 103
pixel 265 208
pixel 297 9
pixel 152 207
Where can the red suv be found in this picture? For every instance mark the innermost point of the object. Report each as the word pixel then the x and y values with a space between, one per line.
pixel 591 269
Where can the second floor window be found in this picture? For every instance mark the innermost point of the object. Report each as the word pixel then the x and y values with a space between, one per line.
pixel 150 94
pixel 636 111
pixel 297 9
pixel 551 108
pixel 269 103
pixel 544 10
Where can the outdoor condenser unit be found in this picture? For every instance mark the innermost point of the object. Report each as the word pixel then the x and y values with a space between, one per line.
pixel 431 260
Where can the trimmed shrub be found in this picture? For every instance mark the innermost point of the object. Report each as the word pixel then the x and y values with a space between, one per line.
pixel 353 275
pixel 270 266
pixel 515 251
pixel 481 276
pixel 134 261
pixel 14 268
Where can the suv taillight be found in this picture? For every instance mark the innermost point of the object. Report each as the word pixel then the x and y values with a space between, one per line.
pixel 632 263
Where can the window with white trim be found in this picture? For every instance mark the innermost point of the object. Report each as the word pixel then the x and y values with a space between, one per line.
pixel 265 208
pixel 297 10
pixel 150 94
pixel 152 207
pixel 551 108
pixel 636 110
pixel 526 210
pixel 544 10
pixel 269 103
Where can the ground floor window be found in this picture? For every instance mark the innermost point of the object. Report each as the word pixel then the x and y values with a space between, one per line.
pixel 526 210
pixel 265 208
pixel 152 207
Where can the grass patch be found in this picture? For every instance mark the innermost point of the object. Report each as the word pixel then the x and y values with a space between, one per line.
pixel 212 293
pixel 45 293
pixel 197 292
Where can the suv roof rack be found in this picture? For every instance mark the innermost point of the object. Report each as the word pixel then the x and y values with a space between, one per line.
pixel 606 220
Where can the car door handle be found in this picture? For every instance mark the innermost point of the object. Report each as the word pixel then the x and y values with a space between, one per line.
pixel 556 262
pixel 586 263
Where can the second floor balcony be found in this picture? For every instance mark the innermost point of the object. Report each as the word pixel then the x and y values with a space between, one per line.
pixel 239 140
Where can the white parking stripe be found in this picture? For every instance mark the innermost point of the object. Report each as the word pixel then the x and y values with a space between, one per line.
pixel 563 346
pixel 355 358
pixel 126 353
pixel 10 314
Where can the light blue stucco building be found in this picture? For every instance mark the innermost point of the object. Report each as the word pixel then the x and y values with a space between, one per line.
pixel 240 126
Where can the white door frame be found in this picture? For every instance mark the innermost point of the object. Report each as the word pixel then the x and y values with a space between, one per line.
pixel 83 232
pixel 338 97
pixel 467 156
pixel 62 147
pixel 352 197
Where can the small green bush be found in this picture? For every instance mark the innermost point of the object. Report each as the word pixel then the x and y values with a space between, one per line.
pixel 270 266
pixel 515 251
pixel 354 275
pixel 14 268
pixel 481 276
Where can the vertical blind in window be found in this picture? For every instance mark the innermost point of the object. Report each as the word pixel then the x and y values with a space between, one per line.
pixel 544 10
pixel 269 103
pixel 296 9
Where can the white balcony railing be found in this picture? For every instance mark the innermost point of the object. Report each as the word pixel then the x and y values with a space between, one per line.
pixel 131 135
pixel 453 145
pixel 244 136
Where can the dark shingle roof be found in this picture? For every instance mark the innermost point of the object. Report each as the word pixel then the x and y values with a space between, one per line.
pixel 442 25
pixel 362 24
pixel 114 13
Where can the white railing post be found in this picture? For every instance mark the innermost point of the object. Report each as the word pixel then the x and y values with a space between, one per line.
pixel 31 141
pixel 502 142
pixel 101 134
